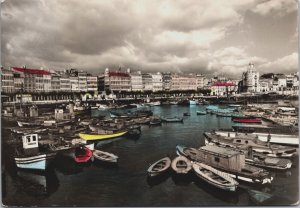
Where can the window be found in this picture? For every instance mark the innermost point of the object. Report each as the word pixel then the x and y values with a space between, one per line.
pixel 33 138
pixel 217 159
pixel 238 140
pixel 28 139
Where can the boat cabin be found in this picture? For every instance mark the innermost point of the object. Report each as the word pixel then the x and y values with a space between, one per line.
pixel 30 144
pixel 222 157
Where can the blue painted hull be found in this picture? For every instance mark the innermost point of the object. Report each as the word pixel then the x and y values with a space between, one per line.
pixel 38 162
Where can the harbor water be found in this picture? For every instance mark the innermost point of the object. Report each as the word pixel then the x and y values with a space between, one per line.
pixel 126 183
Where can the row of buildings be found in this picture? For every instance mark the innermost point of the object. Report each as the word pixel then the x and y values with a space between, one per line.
pixel 16 79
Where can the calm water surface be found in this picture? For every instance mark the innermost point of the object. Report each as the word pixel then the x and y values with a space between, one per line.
pixel 126 184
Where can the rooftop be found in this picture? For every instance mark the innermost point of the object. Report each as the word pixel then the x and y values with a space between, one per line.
pixel 219 150
pixel 223 84
pixel 31 71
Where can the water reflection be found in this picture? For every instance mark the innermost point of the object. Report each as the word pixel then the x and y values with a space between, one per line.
pixel 37 184
pixel 153 181
pixel 182 179
pixel 66 165
pixel 107 165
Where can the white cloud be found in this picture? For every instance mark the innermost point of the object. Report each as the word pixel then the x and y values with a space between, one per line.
pixel 280 7
pixel 149 34
pixel 232 61
pixel 281 65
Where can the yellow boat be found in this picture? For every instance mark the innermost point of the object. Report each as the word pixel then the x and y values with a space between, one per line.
pixel 101 136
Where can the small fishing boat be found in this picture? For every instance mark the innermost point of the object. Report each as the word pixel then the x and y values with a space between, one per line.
pixel 82 154
pixel 186 114
pixel 28 124
pixel 258 146
pixel 269 162
pixel 246 120
pixel 31 156
pixel 91 136
pixel 223 114
pixel 193 102
pixel 172 119
pixel 215 177
pixel 155 122
pixel 201 112
pixel 105 156
pixel 181 165
pixel 159 166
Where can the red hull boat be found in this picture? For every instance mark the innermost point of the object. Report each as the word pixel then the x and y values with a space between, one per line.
pixel 82 154
pixel 239 120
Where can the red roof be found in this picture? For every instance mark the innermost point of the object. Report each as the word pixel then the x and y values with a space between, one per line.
pixel 223 84
pixel 31 71
pixel 118 74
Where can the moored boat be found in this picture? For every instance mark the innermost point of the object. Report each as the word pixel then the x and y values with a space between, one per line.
pixel 283 139
pixel 172 119
pixel 91 136
pixel 215 177
pixel 30 157
pixel 271 150
pixel 105 156
pixel 246 120
pixel 181 165
pixel 82 154
pixel 201 112
pixel 159 166
pixel 155 122
pixel 225 160
pixel 186 114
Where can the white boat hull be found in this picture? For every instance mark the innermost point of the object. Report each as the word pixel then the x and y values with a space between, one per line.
pixel 275 138
pixel 39 162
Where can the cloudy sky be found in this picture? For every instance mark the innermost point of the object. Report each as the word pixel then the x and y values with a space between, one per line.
pixel 203 36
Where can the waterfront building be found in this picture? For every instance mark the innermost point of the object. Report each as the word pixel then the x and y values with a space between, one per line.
pixel 82 81
pixel 35 80
pixel 7 81
pixel 147 82
pixel 18 82
pixel 182 82
pixel 221 89
pixel 65 84
pixel 167 80
pixel 264 85
pixel 157 82
pixel 74 82
pixel 250 79
pixel 117 81
pixel 55 82
pixel 92 83
pixel 200 81
pixel 136 82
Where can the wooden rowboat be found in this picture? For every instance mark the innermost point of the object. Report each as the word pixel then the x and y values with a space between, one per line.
pixel 215 177
pixel 159 166
pixel 101 136
pixel 105 156
pixel 181 165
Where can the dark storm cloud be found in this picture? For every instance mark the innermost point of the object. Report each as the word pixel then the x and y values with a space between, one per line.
pixel 182 36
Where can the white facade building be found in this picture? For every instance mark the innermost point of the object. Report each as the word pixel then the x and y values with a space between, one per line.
pixel 65 84
pixel 157 82
pixel 182 82
pixel 74 82
pixel 92 83
pixel 136 82
pixel 117 81
pixel 82 82
pixel 147 82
